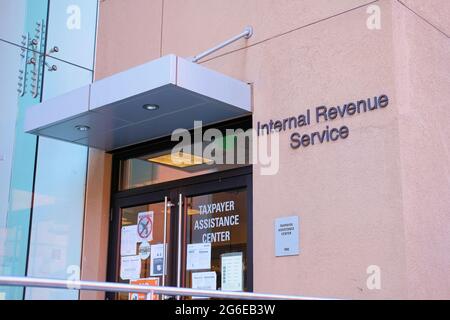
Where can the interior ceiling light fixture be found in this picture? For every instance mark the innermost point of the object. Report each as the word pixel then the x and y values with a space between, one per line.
pixel 193 212
pixel 180 160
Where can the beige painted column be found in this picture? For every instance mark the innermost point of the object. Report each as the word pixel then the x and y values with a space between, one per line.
pixel 128 35
pixel 96 221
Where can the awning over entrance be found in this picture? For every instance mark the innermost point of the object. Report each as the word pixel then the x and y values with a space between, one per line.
pixel 141 104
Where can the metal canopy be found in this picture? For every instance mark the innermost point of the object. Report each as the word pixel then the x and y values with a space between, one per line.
pixel 113 108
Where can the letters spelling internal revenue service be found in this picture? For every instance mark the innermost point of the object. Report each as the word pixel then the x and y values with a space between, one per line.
pixel 322 114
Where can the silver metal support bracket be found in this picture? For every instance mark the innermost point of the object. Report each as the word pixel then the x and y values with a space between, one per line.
pixel 247 34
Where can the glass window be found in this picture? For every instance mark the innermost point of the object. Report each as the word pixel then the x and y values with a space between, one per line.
pixel 72 29
pixel 67 77
pixel 19 18
pixel 8 92
pixel 219 219
pixel 142 252
pixel 58 209
pixel 59 178
pixel 230 152
pixel 12 22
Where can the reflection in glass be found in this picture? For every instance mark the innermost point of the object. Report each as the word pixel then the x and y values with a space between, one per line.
pixel 59 180
pixel 14 216
pixel 15 244
pixel 167 166
pixel 72 29
pixel 58 208
pixel 65 79
pixel 12 22
pixel 8 92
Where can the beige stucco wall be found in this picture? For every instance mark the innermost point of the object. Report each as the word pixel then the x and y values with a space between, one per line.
pixel 423 90
pixel 347 194
pixel 381 197
pixel 96 221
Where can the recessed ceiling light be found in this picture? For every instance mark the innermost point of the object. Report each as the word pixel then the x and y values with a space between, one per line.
pixel 82 128
pixel 150 107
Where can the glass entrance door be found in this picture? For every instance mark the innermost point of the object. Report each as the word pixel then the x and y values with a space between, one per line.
pixel 144 246
pixel 195 234
pixel 216 241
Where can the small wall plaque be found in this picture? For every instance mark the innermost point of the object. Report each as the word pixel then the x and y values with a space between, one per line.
pixel 287 236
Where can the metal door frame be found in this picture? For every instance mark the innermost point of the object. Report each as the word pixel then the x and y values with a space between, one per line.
pixel 176 190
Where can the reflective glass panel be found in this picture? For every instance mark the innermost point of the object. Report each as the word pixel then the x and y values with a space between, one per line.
pixel 225 153
pixel 58 208
pixel 142 245
pixel 218 222
pixel 8 91
pixel 12 20
pixel 72 29
pixel 15 244
pixel 58 213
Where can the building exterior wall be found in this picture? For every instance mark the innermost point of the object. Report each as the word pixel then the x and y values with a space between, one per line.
pixel 422 85
pixel 378 198
pixel 347 194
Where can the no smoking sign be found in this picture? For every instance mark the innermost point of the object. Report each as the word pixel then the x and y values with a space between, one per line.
pixel 145 226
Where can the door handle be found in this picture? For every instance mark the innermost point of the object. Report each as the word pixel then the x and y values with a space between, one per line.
pixel 180 217
pixel 166 204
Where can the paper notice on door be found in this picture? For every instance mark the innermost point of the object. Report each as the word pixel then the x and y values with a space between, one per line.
pixel 204 280
pixel 130 268
pixel 198 256
pixel 157 260
pixel 128 241
pixel 232 272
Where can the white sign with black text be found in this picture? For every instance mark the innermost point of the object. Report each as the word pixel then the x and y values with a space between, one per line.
pixel 232 272
pixel 198 256
pixel 287 237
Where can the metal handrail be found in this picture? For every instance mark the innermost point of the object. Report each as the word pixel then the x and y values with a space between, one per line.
pixel 247 34
pixel 128 288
